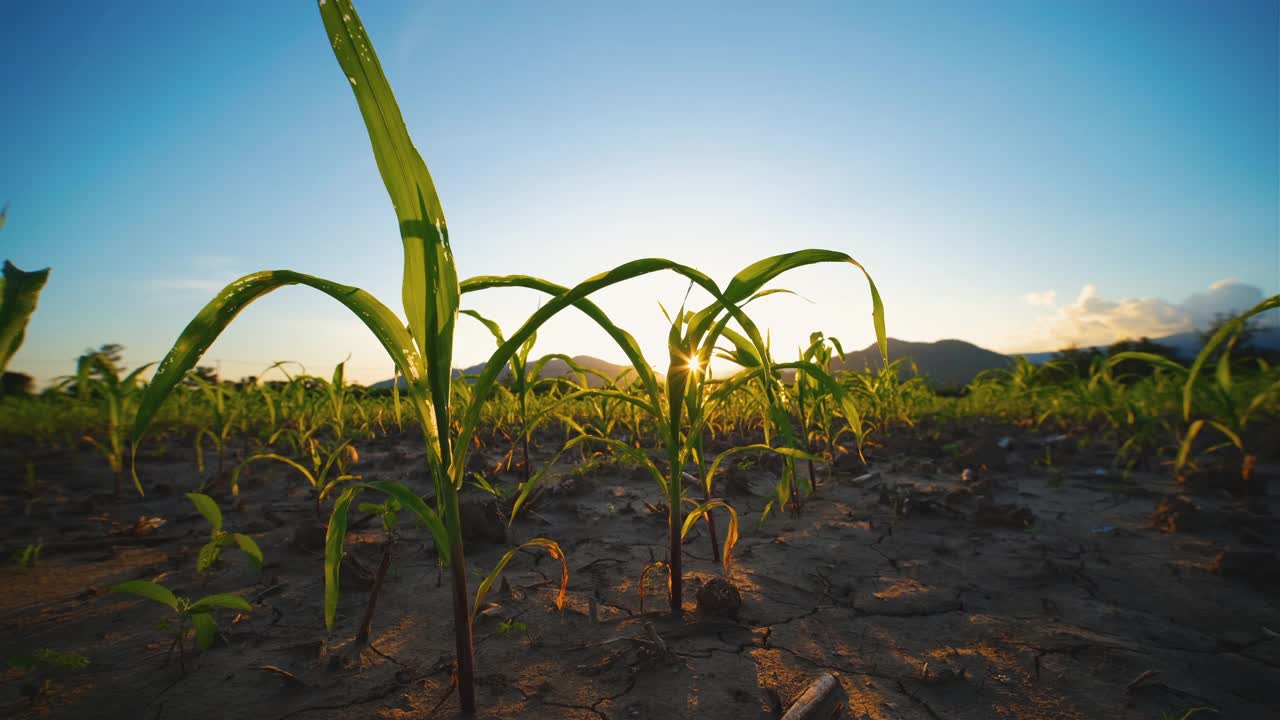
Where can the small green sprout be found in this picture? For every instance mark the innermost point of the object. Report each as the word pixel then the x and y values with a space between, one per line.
pixel 219 538
pixel 511 625
pixel 197 616
pixel 28 556
pixel 45 663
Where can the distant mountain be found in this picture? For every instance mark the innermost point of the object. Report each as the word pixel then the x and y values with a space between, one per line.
pixel 946 363
pixel 1186 344
pixel 553 369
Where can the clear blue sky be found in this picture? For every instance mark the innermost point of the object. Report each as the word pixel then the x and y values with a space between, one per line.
pixel 968 154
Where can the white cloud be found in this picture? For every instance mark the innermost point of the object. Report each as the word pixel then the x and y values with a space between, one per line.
pixel 1094 320
pixel 1229 297
pixel 1044 298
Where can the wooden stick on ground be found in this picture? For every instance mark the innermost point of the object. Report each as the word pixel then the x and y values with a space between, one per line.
pixel 814 698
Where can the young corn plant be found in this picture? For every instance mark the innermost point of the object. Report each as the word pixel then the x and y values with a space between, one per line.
pixel 191 616
pixel 813 405
pixel 525 379
pixel 219 538
pixel 1223 411
pixel 219 430
pixel 98 376
pixel 679 409
pixel 422 348
pixel 762 378
pixel 328 467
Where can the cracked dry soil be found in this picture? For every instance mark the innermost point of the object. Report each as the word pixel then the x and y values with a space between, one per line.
pixel 937 607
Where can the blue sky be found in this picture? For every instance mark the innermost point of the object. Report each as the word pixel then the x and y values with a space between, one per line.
pixel 1020 175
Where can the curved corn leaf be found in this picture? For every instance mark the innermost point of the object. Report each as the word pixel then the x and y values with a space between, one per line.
pixel 563 298
pixel 550 546
pixel 208 508
pixel 235 474
pixel 1231 434
pixel 220 600
pixel 784 451
pixel 19 293
pixel 751 279
pixel 148 590
pixel 1151 358
pixel 209 323
pixel 493 327
pixel 644 578
pixel 731 535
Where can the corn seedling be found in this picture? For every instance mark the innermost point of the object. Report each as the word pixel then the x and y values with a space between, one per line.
pixel 98 376
pixel 194 617
pixel 219 430
pixel 219 538
pixel 679 411
pixel 511 625
pixel 1226 413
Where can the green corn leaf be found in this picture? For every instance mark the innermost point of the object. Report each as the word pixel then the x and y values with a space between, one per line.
pixel 148 590
pixel 206 630
pixel 208 555
pixel 19 293
pixel 335 538
pixel 219 312
pixel 208 508
pixel 430 288
pixel 409 500
pixel 1228 330
pixel 235 474
pixel 1231 434
pixel 563 298
pixel 752 278
pixel 493 327
pixel 249 547
pixel 220 600
pixel 783 451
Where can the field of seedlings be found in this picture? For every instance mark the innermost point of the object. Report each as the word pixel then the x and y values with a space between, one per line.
pixel 1090 539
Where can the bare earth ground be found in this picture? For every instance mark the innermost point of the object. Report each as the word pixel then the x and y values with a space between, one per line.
pixel 929 596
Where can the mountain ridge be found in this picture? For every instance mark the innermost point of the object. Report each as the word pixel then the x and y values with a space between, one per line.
pixel 946 363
